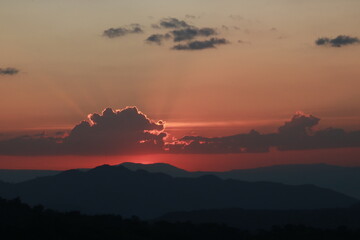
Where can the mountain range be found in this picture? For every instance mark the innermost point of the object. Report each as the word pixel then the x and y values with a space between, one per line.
pixel 16 176
pixel 341 179
pixel 119 190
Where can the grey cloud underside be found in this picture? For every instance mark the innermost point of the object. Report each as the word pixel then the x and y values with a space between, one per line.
pixel 200 45
pixel 339 41
pixel 173 23
pixel 158 38
pixel 8 71
pixel 122 31
pixel 191 33
pixel 184 32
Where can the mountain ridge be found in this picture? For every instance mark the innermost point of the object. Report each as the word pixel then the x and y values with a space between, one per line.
pixel 118 190
pixel 338 178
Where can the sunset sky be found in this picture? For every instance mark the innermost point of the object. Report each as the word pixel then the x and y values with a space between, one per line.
pixel 264 61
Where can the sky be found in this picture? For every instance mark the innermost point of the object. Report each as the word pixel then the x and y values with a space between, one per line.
pixel 243 65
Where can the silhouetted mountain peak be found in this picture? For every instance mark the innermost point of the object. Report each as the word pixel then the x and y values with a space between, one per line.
pixel 157 168
pixel 108 170
pixel 132 165
pixel 70 172
pixel 101 168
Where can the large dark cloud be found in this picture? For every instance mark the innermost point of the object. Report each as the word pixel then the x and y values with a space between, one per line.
pixel 200 45
pixel 8 71
pixel 339 41
pixel 296 134
pixel 125 131
pixel 122 31
pixel 173 23
pixel 114 132
pixel 191 33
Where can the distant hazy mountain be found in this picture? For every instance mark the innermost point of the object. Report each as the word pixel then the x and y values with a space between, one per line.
pixel 118 190
pixel 341 179
pixel 16 176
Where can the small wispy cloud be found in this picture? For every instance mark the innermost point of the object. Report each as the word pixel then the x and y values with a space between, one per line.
pixel 190 36
pixel 190 16
pixel 173 23
pixel 199 45
pixel 9 71
pixel 122 31
pixel 339 41
pixel 191 33
pixel 158 38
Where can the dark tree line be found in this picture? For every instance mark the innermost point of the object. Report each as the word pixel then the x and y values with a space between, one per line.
pixel 20 221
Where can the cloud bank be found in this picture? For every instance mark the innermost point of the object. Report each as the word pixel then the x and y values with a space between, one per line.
pixel 129 131
pixel 296 134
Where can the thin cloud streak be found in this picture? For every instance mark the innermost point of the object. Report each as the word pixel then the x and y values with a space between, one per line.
pixel 9 71
pixel 201 45
pixel 339 41
pixel 122 31
pixel 222 123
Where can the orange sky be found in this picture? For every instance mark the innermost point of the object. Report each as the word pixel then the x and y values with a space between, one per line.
pixel 68 69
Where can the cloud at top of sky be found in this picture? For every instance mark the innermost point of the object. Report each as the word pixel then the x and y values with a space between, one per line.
pixel 9 71
pixel 339 41
pixel 122 31
pixel 181 31
pixel 200 45
pixel 177 31
pixel 173 23
pixel 191 33
pixel 158 38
